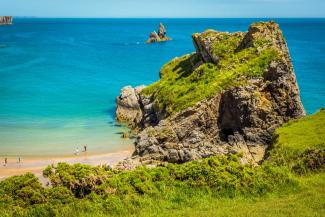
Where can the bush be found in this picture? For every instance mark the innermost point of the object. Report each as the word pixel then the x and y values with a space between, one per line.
pixel 80 179
pixel 310 160
pixel 127 191
pixel 22 191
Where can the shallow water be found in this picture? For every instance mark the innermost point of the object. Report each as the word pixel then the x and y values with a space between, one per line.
pixel 59 77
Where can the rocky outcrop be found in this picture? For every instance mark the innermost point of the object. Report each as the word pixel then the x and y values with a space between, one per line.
pixel 128 108
pixel 5 20
pixel 135 109
pixel 160 36
pixel 204 47
pixel 240 118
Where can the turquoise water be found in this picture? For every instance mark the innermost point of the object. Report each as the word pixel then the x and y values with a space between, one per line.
pixel 59 77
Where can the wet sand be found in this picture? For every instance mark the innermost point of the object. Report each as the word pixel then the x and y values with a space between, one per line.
pixel 36 165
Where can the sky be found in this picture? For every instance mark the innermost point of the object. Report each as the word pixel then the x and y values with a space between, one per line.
pixel 163 8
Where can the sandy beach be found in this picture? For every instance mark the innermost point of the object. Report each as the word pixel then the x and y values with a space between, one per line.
pixel 37 164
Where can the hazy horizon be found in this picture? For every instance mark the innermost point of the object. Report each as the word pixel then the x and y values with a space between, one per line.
pixel 165 9
pixel 57 17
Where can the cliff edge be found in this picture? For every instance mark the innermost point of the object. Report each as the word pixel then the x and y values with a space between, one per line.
pixel 227 97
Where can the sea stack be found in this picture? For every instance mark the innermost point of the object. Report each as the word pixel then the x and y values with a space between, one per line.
pixel 160 36
pixel 5 20
pixel 227 97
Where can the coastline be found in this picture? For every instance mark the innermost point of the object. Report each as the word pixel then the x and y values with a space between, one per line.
pixel 36 165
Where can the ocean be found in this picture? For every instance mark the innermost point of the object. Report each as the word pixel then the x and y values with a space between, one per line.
pixel 59 77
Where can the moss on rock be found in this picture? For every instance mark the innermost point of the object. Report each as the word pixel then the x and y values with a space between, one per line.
pixel 191 78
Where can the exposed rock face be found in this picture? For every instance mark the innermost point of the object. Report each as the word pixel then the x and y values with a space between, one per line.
pixel 269 32
pixel 160 36
pixel 203 45
pixel 240 118
pixel 128 106
pixel 5 20
pixel 135 109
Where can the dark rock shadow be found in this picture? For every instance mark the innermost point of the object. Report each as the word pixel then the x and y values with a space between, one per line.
pixel 110 112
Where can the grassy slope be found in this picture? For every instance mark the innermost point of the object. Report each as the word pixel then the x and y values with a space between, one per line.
pixel 300 143
pixel 213 187
pixel 308 200
pixel 302 134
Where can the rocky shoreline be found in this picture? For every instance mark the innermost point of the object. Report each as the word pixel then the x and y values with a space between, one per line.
pixel 5 20
pixel 239 118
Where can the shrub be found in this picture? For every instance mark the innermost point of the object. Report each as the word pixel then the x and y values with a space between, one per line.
pixel 22 190
pixel 80 179
pixel 310 160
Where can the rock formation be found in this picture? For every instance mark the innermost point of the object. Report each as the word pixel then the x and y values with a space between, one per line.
pixel 135 109
pixel 128 107
pixel 5 20
pixel 241 117
pixel 160 36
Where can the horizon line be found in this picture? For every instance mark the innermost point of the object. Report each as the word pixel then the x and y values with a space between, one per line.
pixel 167 17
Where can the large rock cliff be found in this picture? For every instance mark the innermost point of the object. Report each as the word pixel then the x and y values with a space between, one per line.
pixel 227 97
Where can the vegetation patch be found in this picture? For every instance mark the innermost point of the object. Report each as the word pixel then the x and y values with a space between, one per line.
pixel 222 177
pixel 291 180
pixel 80 179
pixel 183 84
pixel 300 144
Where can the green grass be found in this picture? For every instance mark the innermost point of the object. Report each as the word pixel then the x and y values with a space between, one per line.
pixel 182 86
pixel 301 143
pixel 301 134
pixel 310 201
pixel 307 200
pixel 290 183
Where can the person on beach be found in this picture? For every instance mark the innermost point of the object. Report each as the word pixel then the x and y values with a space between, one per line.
pixel 85 148
pixel 6 161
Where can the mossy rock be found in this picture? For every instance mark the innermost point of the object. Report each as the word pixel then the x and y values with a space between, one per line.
pixel 217 65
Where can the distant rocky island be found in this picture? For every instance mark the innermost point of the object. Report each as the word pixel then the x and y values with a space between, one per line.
pixel 227 97
pixel 160 36
pixel 5 20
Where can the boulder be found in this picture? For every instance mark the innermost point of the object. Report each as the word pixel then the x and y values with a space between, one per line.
pixel 128 107
pixel 135 109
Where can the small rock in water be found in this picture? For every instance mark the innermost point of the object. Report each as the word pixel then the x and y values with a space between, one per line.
pixel 160 36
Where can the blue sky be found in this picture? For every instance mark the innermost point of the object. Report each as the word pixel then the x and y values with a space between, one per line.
pixel 163 8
